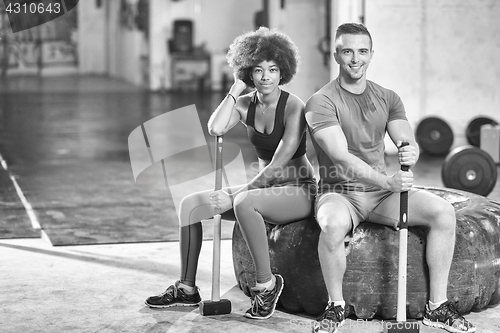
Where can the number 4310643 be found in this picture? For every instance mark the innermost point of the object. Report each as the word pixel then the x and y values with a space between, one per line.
pixel 33 8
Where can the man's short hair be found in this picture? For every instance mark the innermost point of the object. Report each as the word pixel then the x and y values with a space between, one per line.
pixel 352 29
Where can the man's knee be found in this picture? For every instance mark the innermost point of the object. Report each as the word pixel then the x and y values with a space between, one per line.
pixel 334 225
pixel 442 215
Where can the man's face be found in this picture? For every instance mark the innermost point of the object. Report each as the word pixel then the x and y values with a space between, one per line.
pixel 353 53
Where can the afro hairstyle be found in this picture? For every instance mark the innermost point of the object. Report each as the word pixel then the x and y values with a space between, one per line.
pixel 250 49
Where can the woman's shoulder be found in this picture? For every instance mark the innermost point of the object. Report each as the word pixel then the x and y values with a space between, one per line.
pixel 245 100
pixel 294 103
pixel 247 97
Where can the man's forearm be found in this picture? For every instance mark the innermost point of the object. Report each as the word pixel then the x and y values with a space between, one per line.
pixel 353 167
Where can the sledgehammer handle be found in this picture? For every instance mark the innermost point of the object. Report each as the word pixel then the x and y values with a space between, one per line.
pixel 403 250
pixel 217 223
pixel 218 162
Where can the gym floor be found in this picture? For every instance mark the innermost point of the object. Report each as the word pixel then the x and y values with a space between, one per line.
pixel 82 245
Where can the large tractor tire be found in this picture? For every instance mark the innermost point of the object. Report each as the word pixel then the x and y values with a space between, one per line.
pixel 370 282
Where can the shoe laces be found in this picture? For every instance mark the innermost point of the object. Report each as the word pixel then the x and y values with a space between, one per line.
pixel 332 312
pixel 257 302
pixel 450 311
pixel 457 320
pixel 260 298
pixel 170 293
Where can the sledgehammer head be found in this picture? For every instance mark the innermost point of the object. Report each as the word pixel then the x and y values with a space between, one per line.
pixel 210 308
pixel 409 326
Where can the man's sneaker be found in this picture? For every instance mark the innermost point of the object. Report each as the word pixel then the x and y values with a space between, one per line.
pixel 446 316
pixel 174 296
pixel 264 301
pixel 330 320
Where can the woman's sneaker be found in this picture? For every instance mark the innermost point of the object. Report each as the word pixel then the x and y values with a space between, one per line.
pixel 174 296
pixel 446 316
pixel 264 301
pixel 330 320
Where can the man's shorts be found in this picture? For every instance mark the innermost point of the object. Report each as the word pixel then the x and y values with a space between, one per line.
pixel 380 206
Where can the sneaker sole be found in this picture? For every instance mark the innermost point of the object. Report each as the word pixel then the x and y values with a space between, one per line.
pixel 171 305
pixel 437 324
pixel 248 315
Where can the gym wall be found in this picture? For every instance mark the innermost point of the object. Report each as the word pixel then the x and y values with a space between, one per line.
pixel 439 56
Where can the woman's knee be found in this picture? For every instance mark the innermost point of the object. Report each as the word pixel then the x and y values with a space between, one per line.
pixel 191 201
pixel 193 205
pixel 243 202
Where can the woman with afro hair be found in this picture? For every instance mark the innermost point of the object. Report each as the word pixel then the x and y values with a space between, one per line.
pixel 283 189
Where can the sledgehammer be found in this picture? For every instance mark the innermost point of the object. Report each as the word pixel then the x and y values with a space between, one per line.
pixel 401 325
pixel 216 306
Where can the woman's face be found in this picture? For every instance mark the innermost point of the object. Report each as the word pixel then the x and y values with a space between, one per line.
pixel 266 76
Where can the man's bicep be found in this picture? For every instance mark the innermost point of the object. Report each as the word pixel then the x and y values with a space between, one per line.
pixel 332 141
pixel 320 113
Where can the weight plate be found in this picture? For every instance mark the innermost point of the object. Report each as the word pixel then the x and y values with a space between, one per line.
pixel 434 136
pixel 473 130
pixel 469 169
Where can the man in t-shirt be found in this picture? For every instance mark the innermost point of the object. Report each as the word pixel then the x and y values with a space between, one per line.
pixel 348 119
